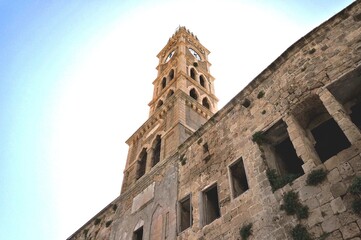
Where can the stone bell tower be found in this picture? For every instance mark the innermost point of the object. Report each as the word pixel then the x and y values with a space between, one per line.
pixel 183 100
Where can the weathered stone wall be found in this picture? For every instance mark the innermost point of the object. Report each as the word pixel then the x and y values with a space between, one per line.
pixel 314 82
pixel 287 90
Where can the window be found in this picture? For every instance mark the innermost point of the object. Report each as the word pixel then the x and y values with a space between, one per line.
pixel 171 74
pixel 160 103
pixel 330 139
pixel 170 93
pixel 205 103
pixel 164 83
pixel 156 151
pixel 138 234
pixel 211 209
pixel 193 73
pixel 280 153
pixel 142 163
pixel 202 81
pixel 193 94
pixel 238 177
pixel 326 135
pixel 185 214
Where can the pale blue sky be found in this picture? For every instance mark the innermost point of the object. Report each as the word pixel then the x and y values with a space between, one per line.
pixel 75 81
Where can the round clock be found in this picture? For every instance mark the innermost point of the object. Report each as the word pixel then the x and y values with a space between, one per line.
pixel 170 55
pixel 195 54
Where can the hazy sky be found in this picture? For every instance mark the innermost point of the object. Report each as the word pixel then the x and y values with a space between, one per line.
pixel 76 79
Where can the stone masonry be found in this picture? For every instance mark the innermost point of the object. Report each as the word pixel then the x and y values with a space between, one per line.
pixel 301 114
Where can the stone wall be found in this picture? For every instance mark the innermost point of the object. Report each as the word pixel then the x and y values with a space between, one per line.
pixel 291 99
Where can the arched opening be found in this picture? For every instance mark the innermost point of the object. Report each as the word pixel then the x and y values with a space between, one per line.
pixel 171 74
pixel 164 82
pixel 205 103
pixel 142 162
pixel 170 93
pixel 160 103
pixel 193 94
pixel 156 151
pixel 202 81
pixel 193 73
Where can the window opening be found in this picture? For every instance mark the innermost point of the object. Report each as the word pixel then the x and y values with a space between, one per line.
pixel 138 234
pixel 193 74
pixel 280 153
pixel 185 208
pixel 211 205
pixel 330 139
pixel 164 83
pixel 202 81
pixel 193 94
pixel 205 103
pixel 238 178
pixel 160 103
pixel 356 114
pixel 142 164
pixel 171 74
pixel 170 93
pixel 156 151
pixel 289 161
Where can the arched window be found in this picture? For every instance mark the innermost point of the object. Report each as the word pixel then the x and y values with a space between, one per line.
pixel 142 162
pixel 170 93
pixel 164 82
pixel 202 81
pixel 193 94
pixel 160 103
pixel 193 73
pixel 156 151
pixel 205 103
pixel 171 74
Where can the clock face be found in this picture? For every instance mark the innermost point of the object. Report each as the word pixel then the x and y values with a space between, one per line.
pixel 195 54
pixel 170 55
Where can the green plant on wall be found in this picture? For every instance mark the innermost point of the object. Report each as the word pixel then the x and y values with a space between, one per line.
pixel 291 205
pixel 316 176
pixel 299 232
pixel 258 137
pixel 246 231
pixel 278 181
pixel 355 189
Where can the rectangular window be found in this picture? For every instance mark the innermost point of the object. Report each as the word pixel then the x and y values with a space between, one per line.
pixel 138 234
pixel 185 213
pixel 211 209
pixel 330 139
pixel 238 177
pixel 280 153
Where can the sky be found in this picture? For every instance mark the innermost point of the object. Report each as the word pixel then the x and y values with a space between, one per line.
pixel 75 83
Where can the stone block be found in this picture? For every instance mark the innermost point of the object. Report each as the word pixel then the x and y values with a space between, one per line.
pixel 307 192
pixel 315 217
pixel 347 217
pixel 334 176
pixel 350 230
pixel 324 196
pixel 331 224
pixel 356 163
pixel 338 189
pixel 312 203
pixel 331 163
pixel 337 205
pixel 346 170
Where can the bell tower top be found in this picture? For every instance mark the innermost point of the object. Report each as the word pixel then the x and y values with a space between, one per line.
pixel 185 56
pixel 183 100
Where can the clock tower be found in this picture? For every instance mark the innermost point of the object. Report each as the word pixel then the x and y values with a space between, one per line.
pixel 183 100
